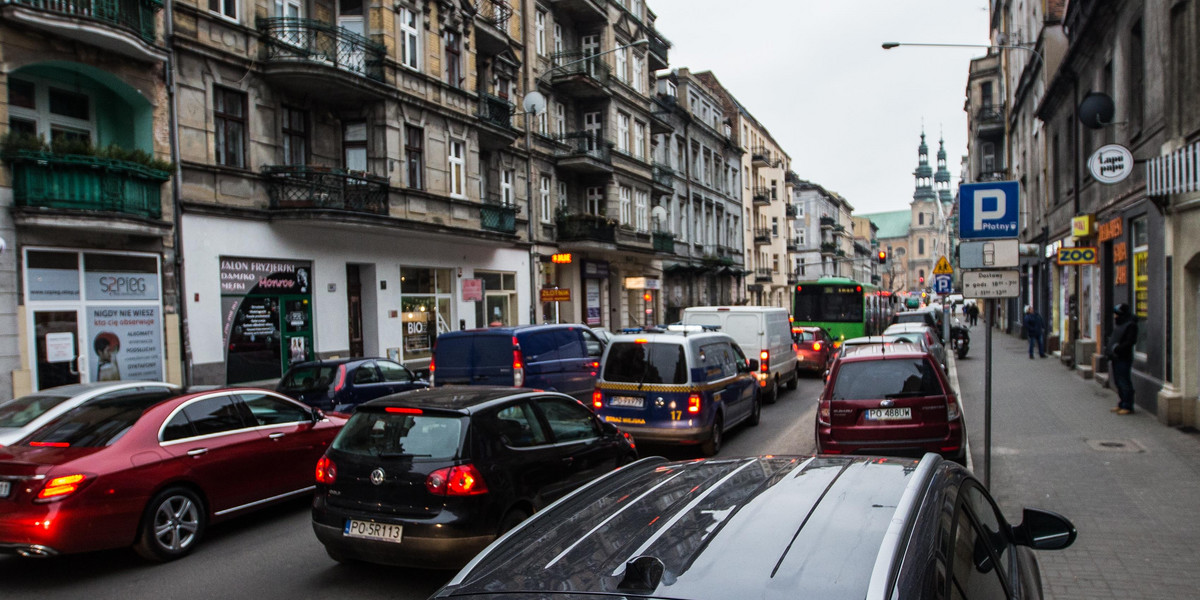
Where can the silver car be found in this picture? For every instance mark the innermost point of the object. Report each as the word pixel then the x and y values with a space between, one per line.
pixel 21 416
pixel 923 335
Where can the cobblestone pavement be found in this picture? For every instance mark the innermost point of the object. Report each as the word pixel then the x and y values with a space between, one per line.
pixel 1130 484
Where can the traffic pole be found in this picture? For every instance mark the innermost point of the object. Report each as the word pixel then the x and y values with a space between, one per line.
pixel 989 308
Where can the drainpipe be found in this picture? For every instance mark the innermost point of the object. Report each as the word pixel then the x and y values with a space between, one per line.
pixel 687 186
pixel 176 189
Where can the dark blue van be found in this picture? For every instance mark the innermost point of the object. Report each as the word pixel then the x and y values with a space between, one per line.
pixel 556 357
pixel 678 387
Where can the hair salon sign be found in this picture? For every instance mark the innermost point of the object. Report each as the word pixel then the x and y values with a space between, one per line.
pixel 1111 163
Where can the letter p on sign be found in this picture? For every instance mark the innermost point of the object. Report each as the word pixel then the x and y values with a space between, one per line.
pixel 982 198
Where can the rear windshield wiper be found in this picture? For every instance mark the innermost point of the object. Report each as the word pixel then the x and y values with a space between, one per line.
pixel 907 394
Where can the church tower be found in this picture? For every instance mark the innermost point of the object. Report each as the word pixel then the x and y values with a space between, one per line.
pixel 941 180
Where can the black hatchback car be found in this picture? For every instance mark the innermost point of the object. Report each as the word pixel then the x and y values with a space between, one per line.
pixel 828 527
pixel 339 385
pixel 429 478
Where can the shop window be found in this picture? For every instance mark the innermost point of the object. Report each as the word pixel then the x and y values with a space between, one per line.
pixel 499 306
pixel 425 303
pixel 1141 277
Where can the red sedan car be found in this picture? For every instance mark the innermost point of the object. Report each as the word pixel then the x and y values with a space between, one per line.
pixel 813 348
pixel 152 470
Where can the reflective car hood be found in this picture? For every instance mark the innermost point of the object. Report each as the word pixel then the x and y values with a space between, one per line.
pixel 770 527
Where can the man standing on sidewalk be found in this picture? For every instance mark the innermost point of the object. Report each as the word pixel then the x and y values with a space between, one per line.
pixel 1120 352
pixel 1034 328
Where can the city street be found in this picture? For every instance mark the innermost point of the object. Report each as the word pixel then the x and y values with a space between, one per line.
pixel 273 554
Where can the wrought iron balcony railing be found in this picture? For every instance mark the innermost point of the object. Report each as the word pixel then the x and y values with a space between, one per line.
pixel 791 211
pixel 762 274
pixel 794 246
pixel 990 114
pixel 585 228
pixel 495 12
pixel 138 16
pixel 573 63
pixel 89 183
pixel 498 217
pixel 762 235
pixel 761 195
pixel 828 247
pixel 664 241
pixel 496 110
pixel 659 46
pixel 761 154
pixel 322 43
pixel 663 175
pixel 583 143
pixel 305 187
pixel 827 221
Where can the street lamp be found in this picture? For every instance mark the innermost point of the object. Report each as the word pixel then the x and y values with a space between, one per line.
pixel 535 103
pixel 890 45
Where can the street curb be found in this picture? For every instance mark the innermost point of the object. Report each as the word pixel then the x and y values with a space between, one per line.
pixel 952 375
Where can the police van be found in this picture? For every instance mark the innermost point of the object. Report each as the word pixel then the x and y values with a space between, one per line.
pixel 683 386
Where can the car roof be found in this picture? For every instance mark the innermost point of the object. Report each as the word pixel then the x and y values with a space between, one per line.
pixel 511 329
pixel 883 352
pixel 771 527
pixel 671 337
pixel 461 398
pixel 333 362
pixel 907 327
pixel 79 389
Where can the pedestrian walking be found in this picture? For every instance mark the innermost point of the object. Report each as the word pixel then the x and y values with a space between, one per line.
pixel 1120 353
pixel 973 311
pixel 1035 328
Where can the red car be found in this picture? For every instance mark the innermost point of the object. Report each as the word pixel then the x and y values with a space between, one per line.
pixel 890 399
pixel 813 348
pixel 152 470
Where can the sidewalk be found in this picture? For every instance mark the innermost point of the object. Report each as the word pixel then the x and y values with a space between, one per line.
pixel 1130 484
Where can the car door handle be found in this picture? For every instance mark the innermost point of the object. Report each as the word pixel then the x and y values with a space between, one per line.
pixel 197 451
pixel 276 435
pixel 568 460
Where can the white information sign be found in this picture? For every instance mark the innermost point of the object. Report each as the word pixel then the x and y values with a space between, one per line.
pixel 60 347
pixel 990 254
pixel 992 284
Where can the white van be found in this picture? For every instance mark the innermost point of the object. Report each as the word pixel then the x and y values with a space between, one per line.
pixel 762 332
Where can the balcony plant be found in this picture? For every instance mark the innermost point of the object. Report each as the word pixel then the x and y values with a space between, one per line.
pixel 13 144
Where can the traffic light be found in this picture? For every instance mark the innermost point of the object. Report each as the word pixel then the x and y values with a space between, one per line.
pixel 882 257
pixel 922 281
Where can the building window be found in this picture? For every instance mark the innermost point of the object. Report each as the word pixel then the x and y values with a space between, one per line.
pixel 558 38
pixel 427 307
pixel 544 191
pixel 1137 76
pixel 639 139
pixel 921 247
pixel 225 8
pixel 540 36
pixel 920 218
pixel 626 206
pixel 562 194
pixel 414 140
pixel 1139 235
pixel 639 77
pixel 229 120
pixel 453 66
pixel 506 187
pixel 39 109
pixel 542 123
pixel 354 146
pixel 774 226
pixel 410 39
pixel 456 159
pixel 620 70
pixel 560 119
pixel 642 211
pixel 295 136
pixel 622 132
pixel 595 199
pixel 499 306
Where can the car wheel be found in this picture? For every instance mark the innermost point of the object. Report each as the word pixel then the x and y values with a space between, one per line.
pixel 755 410
pixel 794 382
pixel 172 525
pixel 962 351
pixel 511 519
pixel 773 395
pixel 715 437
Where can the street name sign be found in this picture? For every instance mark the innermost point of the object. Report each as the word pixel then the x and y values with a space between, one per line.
pixel 943 267
pixel 990 254
pixel 1005 283
pixel 942 284
pixel 988 210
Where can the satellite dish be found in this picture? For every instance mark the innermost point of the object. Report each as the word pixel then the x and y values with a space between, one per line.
pixel 534 102
pixel 659 214
pixel 1096 110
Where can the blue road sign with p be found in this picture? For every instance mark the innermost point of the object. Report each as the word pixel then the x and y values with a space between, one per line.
pixel 988 210
pixel 942 284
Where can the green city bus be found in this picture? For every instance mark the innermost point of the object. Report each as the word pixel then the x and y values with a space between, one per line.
pixel 844 307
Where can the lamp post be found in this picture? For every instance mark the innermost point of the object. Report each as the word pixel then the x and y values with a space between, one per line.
pixel 533 104
pixel 890 45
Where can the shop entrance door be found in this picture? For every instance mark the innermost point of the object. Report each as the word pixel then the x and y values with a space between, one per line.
pixel 59 358
pixel 354 308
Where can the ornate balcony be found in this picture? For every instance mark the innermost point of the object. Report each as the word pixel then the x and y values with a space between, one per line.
pixel 492 18
pixel 580 75
pixel 305 188
pixel 828 247
pixel 664 241
pixel 302 55
pixel 827 222
pixel 495 115
pixel 760 156
pixel 664 179
pixel 763 275
pixel 498 217
pixel 585 228
pixel 990 117
pixel 794 246
pixel 99 186
pixel 127 27
pixel 791 211
pixel 762 235
pixel 582 11
pixel 659 45
pixel 583 152
pixel 761 196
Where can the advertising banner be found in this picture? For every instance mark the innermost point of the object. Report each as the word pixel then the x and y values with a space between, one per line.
pixel 124 343
pixel 266 306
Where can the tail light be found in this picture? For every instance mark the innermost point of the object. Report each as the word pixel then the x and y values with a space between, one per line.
pixel 326 471
pixel 61 487
pixel 823 410
pixel 341 379
pixel 432 367
pixel 460 480
pixel 951 407
pixel 629 438
pixel 764 361
pixel 817 346
pixel 694 403
pixel 597 398
pixel 518 365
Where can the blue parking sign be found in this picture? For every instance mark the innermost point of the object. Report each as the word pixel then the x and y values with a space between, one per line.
pixel 942 284
pixel 988 210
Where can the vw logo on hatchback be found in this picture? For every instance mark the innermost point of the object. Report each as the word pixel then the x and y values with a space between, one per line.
pixel 377 476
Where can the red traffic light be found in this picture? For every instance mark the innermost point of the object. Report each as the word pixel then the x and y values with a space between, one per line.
pixel 882 256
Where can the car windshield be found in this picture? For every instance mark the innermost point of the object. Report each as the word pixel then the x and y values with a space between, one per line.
pixel 881 379
pixel 308 377
pixel 384 434
pixel 641 362
pixel 95 424
pixel 914 317
pixel 805 336
pixel 18 412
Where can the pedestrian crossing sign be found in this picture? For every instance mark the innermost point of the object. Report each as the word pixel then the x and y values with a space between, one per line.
pixel 943 267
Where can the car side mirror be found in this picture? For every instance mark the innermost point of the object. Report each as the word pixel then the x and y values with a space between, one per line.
pixel 422 374
pixel 752 365
pixel 1044 530
pixel 318 415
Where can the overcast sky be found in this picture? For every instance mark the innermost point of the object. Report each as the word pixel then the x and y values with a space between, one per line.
pixel 812 71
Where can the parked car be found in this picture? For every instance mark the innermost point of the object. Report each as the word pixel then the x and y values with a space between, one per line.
pixel 814 348
pixel 762 332
pixel 21 416
pixel 890 400
pixel 341 384
pixel 556 357
pixel 429 478
pixel 931 341
pixel 771 527
pixel 686 386
pixel 154 469
pixel 929 315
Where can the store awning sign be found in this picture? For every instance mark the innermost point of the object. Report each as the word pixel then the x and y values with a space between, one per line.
pixel 1081 226
pixel 1078 255
pixel 556 294
pixel 1111 163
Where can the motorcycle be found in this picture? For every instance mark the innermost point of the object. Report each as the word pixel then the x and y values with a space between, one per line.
pixel 960 339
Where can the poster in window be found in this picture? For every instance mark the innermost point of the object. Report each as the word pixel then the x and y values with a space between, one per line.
pixel 267 312
pixel 124 343
pixel 1141 283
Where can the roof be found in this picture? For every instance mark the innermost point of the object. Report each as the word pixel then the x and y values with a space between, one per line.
pixel 763 527
pixel 451 397
pixel 891 224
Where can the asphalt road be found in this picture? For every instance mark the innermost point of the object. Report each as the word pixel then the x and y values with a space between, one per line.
pixel 272 554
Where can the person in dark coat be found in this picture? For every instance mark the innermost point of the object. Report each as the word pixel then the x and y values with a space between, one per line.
pixel 1035 328
pixel 973 312
pixel 1120 353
